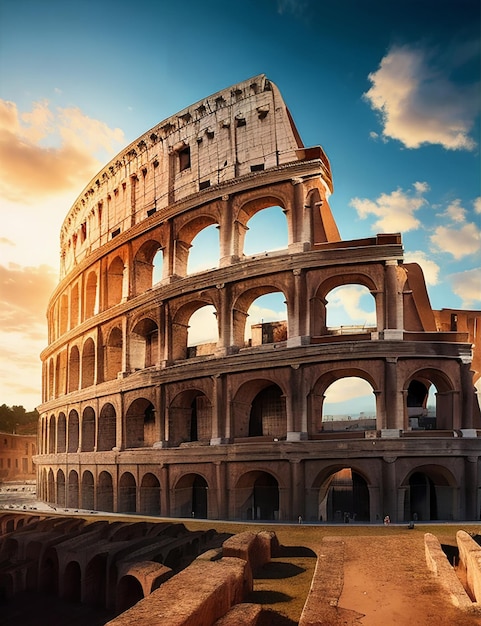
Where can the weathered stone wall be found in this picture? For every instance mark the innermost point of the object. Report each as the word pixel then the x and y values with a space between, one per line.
pixel 470 560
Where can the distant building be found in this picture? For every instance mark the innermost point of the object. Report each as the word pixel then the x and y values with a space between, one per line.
pixel 16 457
pixel 135 419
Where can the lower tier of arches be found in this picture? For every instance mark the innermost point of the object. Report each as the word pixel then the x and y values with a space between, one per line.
pixel 440 480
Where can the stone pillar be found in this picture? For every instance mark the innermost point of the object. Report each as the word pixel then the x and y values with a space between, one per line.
pixel 375 513
pixel 393 298
pixel 218 413
pixel 298 488
pixel 165 491
pixel 298 310
pixel 296 408
pixel 392 396
pixel 221 480
pixel 226 232
pixel 471 488
pixel 389 490
pixel 467 394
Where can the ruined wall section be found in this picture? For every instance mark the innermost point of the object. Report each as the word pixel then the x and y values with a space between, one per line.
pixel 243 129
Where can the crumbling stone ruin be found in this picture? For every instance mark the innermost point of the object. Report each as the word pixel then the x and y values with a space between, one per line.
pixel 134 419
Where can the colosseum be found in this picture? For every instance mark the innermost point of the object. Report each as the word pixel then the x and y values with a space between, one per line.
pixel 136 417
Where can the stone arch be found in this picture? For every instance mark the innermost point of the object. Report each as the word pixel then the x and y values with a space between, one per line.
pixel 190 417
pixel 127 494
pixel 257 496
pixel 113 354
pixel 63 313
pixel 316 423
pixel 51 489
pixel 48 574
pixel 259 409
pixel 72 582
pixel 87 490
pixel 107 428
pixel 144 344
pixel 431 493
pixel 150 494
pixel 129 591
pixel 140 424
pixel 73 490
pixel 144 266
pixel 74 306
pixel 186 233
pixel 88 363
pixel 60 373
pixel 191 496
pixel 96 581
pixel 73 431
pixel 204 250
pixel 88 429
pixel 343 494
pixel 61 433
pixel 274 238
pixel 248 209
pixel 180 326
pixel 105 492
pixel 51 434
pixel 51 377
pixel 417 387
pixel 319 301
pixel 60 486
pixel 91 295
pixel 73 369
pixel 116 278
pixel 353 319
pixel 240 312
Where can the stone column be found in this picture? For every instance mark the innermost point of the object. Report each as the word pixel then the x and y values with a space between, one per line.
pixel 392 397
pixel 375 513
pixel 393 302
pixel 467 394
pixel 218 404
pixel 226 232
pixel 221 480
pixel 389 490
pixel 471 488
pixel 298 488
pixel 165 491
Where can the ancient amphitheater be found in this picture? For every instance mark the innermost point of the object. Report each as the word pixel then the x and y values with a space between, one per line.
pixel 136 419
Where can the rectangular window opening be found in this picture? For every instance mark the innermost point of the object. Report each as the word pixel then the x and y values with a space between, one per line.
pixel 184 158
pixel 151 211
pixel 115 232
pixel 257 168
pixel 204 184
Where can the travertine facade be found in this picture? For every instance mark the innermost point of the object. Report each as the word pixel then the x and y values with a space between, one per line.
pixel 134 420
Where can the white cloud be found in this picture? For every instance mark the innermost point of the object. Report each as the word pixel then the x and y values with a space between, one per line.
pixel 395 211
pixel 467 285
pixel 429 267
pixel 459 242
pixel 419 104
pixel 477 205
pixel 348 305
pixel 47 151
pixel 455 212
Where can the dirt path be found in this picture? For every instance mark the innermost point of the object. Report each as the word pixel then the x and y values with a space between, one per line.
pixel 384 587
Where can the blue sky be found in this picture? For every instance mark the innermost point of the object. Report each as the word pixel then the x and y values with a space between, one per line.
pixel 390 90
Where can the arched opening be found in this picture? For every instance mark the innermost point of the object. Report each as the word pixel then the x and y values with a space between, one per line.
pixel 127 494
pixel 73 431
pixel 60 496
pixel 190 418
pixel 73 490
pixel 51 488
pixel 105 492
pixel 268 414
pixel 88 430
pixel 95 581
pixel 87 490
pixel 266 231
pixel 158 267
pixel 74 306
pixel 129 592
pixel 63 323
pixel 191 497
pixel 266 320
pixel 257 497
pixel 140 424
pixel 51 434
pixel 204 250
pixel 88 363
pixel 430 401
pixel 150 495
pixel 107 428
pixel 113 354
pixel 116 278
pixel 61 433
pixel 350 309
pixel 344 497
pixel 430 494
pixel 349 405
pixel 48 573
pixel 72 579
pixel 91 297
pixel 203 333
pixel 145 270
pixel 73 369
pixel 60 373
pixel 144 341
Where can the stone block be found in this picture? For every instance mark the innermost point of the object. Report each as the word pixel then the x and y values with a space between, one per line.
pixel 470 558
